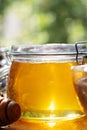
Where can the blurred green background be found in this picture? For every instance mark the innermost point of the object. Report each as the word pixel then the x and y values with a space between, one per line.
pixel 42 21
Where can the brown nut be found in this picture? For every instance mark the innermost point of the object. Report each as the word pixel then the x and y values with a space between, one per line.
pixel 3 105
pixel 13 109
pixel 9 111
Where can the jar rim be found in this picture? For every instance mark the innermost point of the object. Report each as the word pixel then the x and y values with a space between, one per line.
pixel 46 49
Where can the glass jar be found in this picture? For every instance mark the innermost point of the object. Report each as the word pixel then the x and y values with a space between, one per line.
pixel 4 69
pixel 40 80
pixel 79 74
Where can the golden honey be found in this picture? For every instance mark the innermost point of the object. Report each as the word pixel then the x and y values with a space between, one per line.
pixel 44 90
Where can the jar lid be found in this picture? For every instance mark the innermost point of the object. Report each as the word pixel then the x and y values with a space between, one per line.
pixel 47 49
pixel 49 52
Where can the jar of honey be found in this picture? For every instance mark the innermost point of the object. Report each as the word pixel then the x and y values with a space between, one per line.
pixel 40 80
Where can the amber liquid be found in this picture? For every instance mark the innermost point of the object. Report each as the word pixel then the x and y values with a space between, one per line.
pixel 44 90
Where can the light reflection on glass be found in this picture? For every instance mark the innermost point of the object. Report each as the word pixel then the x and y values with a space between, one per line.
pixel 72 115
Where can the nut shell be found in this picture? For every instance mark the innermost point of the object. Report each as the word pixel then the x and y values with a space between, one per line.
pixel 13 111
pixel 3 105
pixel 9 111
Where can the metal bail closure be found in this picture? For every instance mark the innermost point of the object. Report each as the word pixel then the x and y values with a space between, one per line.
pixel 81 52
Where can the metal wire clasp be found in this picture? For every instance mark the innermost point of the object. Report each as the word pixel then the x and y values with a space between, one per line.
pixel 81 51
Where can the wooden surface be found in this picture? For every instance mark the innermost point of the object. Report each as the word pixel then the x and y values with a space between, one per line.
pixel 80 124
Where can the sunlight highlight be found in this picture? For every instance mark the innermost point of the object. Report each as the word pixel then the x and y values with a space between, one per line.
pixel 51 124
pixel 52 106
